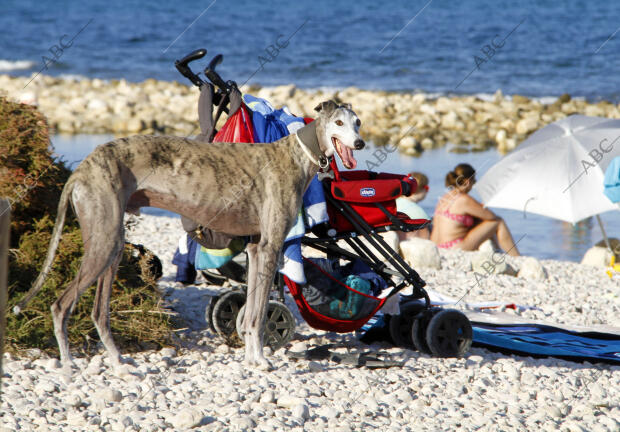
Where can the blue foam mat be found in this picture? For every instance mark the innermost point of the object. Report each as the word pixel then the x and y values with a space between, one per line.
pixel 540 340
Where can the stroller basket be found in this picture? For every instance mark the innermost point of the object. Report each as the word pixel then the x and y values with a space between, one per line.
pixel 341 308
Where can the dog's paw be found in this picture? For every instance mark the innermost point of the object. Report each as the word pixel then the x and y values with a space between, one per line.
pixel 66 371
pixel 258 363
pixel 263 364
pixel 127 372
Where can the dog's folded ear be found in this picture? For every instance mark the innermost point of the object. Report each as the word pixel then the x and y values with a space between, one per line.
pixel 346 105
pixel 327 107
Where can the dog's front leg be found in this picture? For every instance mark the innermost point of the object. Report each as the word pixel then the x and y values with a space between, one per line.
pixel 263 262
pixel 251 281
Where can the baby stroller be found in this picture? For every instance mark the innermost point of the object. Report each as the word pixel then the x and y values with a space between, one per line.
pixel 360 206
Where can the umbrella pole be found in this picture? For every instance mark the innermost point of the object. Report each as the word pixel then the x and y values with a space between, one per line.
pixel 600 224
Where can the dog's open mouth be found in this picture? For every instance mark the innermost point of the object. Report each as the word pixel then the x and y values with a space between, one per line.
pixel 345 153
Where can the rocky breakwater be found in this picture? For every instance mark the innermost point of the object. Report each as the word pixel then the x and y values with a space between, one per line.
pixel 413 121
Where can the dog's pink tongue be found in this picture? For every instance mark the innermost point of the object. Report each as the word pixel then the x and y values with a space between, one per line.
pixel 347 157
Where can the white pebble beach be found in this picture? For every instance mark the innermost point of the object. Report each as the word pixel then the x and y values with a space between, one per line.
pixel 203 384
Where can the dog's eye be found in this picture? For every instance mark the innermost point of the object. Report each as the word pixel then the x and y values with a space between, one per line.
pixel 339 122
pixel 358 122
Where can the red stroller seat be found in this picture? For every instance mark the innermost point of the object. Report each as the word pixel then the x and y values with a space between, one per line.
pixel 373 197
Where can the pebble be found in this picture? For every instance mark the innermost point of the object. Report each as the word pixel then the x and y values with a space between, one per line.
pixel 328 412
pixel 187 418
pixel 315 367
pixel 287 401
pixel 73 400
pixel 301 411
pixel 127 421
pixel 267 397
pixel 45 386
pixel 243 423
pixel 110 395
pixel 168 352
pixel 53 363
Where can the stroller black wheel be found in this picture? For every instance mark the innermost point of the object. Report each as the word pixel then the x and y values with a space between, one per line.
pixel 225 314
pixel 209 312
pixel 234 271
pixel 213 278
pixel 418 330
pixel 279 325
pixel 400 325
pixel 449 334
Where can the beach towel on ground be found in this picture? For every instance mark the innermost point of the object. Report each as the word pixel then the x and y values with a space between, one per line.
pixel 511 333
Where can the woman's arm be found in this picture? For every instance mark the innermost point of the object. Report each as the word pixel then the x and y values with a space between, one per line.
pixel 475 209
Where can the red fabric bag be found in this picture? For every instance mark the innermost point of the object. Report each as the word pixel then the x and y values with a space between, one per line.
pixel 238 128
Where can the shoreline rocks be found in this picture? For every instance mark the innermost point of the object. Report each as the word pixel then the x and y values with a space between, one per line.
pixel 597 256
pixel 420 253
pixel 412 121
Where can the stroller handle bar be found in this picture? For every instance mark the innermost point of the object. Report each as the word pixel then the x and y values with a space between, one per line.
pixel 215 61
pixel 183 67
pixel 214 77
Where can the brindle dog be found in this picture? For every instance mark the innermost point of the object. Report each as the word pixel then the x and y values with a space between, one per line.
pixel 195 180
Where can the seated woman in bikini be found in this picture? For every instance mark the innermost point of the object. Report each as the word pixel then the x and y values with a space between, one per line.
pixel 461 221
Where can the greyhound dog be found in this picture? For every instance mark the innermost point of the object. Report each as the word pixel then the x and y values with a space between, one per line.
pixel 194 179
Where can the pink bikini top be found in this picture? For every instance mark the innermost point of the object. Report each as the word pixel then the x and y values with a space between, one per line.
pixel 464 219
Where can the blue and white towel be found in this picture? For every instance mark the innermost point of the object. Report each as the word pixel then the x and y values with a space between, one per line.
pixel 315 212
pixel 262 106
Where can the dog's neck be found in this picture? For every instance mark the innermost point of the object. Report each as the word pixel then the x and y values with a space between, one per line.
pixel 309 142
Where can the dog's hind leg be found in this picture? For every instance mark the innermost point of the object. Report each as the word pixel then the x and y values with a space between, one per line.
pixel 101 223
pixel 63 306
pixel 101 310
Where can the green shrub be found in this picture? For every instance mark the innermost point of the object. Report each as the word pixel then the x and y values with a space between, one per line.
pixel 138 319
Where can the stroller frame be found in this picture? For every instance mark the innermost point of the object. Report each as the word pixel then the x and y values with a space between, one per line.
pixel 420 322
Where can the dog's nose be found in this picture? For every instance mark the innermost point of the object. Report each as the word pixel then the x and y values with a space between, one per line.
pixel 359 144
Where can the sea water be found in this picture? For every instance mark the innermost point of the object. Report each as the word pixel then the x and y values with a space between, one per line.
pixel 530 47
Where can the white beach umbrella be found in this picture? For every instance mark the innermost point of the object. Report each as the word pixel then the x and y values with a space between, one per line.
pixel 558 171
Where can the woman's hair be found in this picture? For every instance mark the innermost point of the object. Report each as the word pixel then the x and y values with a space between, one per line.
pixel 420 178
pixel 460 173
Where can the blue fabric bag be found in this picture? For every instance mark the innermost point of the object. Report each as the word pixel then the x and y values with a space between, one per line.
pixel 215 258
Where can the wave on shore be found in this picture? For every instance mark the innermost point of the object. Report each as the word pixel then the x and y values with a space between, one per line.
pixel 10 65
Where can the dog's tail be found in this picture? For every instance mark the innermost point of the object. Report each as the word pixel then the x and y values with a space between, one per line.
pixel 51 253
